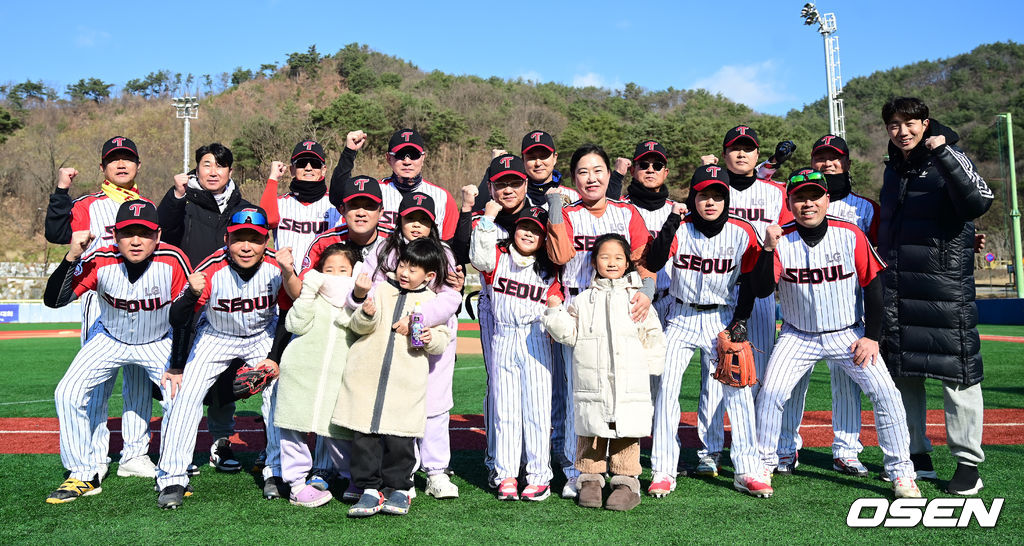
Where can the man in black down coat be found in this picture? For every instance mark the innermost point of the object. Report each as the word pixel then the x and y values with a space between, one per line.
pixel 194 216
pixel 930 196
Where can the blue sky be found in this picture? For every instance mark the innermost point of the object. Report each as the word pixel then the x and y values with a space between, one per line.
pixel 758 53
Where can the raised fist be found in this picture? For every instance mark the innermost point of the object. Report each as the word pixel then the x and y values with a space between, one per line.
pixel 285 258
pixel 680 209
pixel 783 151
pixel 80 241
pixel 772 234
pixel 355 140
pixel 197 282
pixel 710 159
pixel 456 279
pixel 933 142
pixel 622 165
pixel 362 286
pixel 469 193
pixel 369 307
pixel 495 152
pixel 492 208
pixel 277 170
pixel 65 176
pixel 180 183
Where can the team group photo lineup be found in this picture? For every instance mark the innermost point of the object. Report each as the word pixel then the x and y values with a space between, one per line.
pixel 337 299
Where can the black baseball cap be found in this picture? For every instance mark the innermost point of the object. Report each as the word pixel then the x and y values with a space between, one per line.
pixel 650 147
pixel 141 212
pixel 253 218
pixel 538 138
pixel 833 142
pixel 310 148
pixel 709 175
pixel 805 177
pixel 738 133
pixel 417 201
pixel 118 143
pixel 404 138
pixel 504 165
pixel 533 214
pixel 361 186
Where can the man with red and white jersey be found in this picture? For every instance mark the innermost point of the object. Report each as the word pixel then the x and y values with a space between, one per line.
pixel 760 202
pixel 96 213
pixel 236 289
pixel 135 281
pixel 539 158
pixel 822 266
pixel 405 155
pixel 711 252
pixel 649 194
pixel 298 216
pixel 830 156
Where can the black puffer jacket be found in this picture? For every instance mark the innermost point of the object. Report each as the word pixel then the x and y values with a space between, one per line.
pixel 195 223
pixel 926 235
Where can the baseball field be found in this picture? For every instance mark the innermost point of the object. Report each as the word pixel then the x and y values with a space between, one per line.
pixel 811 506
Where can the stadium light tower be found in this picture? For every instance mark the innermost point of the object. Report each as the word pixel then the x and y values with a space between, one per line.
pixel 827 28
pixel 187 109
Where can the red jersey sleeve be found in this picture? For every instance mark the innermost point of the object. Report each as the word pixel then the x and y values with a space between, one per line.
pixel 555 290
pixel 752 251
pixel 868 263
pixel 268 202
pixel 639 236
pixel 84 278
pixel 451 218
pixel 489 275
pixel 312 256
pixel 80 215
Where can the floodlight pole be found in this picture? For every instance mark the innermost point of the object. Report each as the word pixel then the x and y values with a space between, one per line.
pixel 187 108
pixel 834 82
pixel 1018 264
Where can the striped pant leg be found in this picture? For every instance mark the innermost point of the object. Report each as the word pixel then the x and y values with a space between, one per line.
pixel 846 419
pixel 877 384
pixel 339 451
pixel 97 361
pixel 507 382
pixel 210 356
pixel 663 306
pixel 486 320
pixel 794 354
pixel 790 441
pixel 254 350
pixel 137 391
pixel 537 401
pixel 321 459
pixel 98 403
pixel 560 395
pixel 666 444
pixel 296 460
pixel 570 444
pixel 710 406
pixel 739 402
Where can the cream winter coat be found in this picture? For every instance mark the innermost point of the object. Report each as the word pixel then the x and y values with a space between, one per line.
pixel 384 385
pixel 613 358
pixel 312 364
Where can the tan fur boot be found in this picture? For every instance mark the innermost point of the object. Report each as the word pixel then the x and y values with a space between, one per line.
pixel 625 493
pixel 590 486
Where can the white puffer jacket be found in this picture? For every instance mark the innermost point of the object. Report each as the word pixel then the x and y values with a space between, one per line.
pixel 613 358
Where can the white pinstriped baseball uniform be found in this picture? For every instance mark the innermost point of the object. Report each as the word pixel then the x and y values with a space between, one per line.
pixel 238 321
pixel 818 289
pixel 447 213
pixel 654 219
pixel 762 204
pixel 523 354
pixel 132 329
pixel 97 212
pixel 705 273
pixel 846 406
pixel 340 235
pixel 582 229
pixel 300 223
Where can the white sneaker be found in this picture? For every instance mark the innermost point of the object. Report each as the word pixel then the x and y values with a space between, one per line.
pixel 905 488
pixel 440 486
pixel 569 491
pixel 139 467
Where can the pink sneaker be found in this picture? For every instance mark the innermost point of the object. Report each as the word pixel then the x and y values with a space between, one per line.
pixel 310 497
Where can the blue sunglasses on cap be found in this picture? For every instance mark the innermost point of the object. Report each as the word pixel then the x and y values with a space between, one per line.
pixel 249 216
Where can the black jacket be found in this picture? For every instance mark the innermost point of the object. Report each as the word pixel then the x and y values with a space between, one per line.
pixel 195 223
pixel 926 235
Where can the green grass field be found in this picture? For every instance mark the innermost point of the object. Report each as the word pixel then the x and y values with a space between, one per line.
pixel 808 507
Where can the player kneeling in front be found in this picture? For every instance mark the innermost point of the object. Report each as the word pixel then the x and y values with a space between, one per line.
pixel 821 264
pixel 712 252
pixel 238 287
pixel 135 279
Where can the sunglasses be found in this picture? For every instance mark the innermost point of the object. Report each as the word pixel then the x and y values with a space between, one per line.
pixel 643 165
pixel 811 176
pixel 402 155
pixel 254 217
pixel 302 162
pixel 515 184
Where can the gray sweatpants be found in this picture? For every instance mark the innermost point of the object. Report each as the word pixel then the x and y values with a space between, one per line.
pixel 964 409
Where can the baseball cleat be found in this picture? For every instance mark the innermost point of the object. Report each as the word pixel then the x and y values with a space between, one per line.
pixel 905 488
pixel 661 485
pixel 369 504
pixel 708 465
pixel 536 493
pixel 752 485
pixel 171 497
pixel 508 489
pixel 222 457
pixel 850 466
pixel 787 463
pixel 139 467
pixel 71 489
pixel 440 486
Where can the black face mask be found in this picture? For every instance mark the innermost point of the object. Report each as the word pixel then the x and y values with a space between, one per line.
pixel 645 198
pixel 838 185
pixel 741 182
pixel 709 228
pixel 307 192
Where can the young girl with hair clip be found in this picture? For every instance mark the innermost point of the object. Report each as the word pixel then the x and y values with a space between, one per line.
pixel 312 366
pixel 613 359
pixel 519 280
pixel 416 221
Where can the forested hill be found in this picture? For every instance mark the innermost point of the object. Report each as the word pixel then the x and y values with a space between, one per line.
pixel 262 112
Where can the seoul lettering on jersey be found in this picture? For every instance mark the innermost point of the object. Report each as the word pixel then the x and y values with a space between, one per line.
pixel 244 305
pixel 815 275
pixel 706 266
pixel 134 306
pixel 511 287
pixel 235 306
pixel 301 226
pixel 705 270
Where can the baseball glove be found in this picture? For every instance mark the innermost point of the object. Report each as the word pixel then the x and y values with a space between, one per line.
pixel 735 357
pixel 249 381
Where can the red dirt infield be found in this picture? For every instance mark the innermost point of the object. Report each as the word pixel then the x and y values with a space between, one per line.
pixel 21 435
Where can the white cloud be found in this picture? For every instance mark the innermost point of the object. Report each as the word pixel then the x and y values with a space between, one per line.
pixel 89 37
pixel 755 85
pixel 593 79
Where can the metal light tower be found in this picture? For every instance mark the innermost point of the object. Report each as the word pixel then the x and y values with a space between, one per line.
pixel 827 27
pixel 187 109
